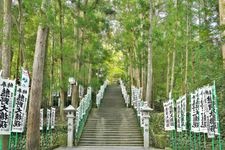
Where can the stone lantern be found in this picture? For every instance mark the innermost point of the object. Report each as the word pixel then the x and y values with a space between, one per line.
pixel 70 116
pixel 145 109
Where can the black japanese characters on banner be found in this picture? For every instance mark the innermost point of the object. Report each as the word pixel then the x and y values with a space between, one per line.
pixel 48 118
pixel 169 115
pixel 52 118
pixel 41 118
pixel 7 89
pixel 194 112
pixel 20 106
pixel 81 91
pixel 181 114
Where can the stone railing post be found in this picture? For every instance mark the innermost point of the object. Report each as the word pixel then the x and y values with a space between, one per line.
pixel 145 112
pixel 70 116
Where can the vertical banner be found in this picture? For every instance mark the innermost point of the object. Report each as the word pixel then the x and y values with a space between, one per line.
pixel 52 118
pixel 166 116
pixel 41 118
pixel 25 79
pixel 183 112
pixel 179 126
pixel 202 111
pixel 169 119
pixel 48 118
pixel 171 114
pixel 20 107
pixel 195 112
pixel 7 89
pixel 211 109
pixel 81 91
pixel 69 92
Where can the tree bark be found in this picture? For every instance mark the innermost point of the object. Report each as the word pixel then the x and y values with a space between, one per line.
pixel 187 52
pixel 33 123
pixel 222 22
pixel 6 43
pixel 33 131
pixel 168 75
pixel 77 37
pixel 61 76
pixel 89 74
pixel 6 49
pixel 1 28
pixel 148 96
pixel 20 56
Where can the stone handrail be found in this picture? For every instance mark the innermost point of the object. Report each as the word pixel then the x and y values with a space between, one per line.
pixel 124 93
pixel 100 94
pixel 82 113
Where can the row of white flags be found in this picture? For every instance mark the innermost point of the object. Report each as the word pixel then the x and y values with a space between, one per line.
pixel 203 116
pixel 17 96
pixel 50 118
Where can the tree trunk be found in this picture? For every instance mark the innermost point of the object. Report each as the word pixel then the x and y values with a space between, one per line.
pixel 187 53
pixel 62 92
pixel 144 82
pixel 172 72
pixel 6 43
pixel 77 37
pixel 33 131
pixel 148 96
pixel 222 22
pixel 168 75
pixel 89 73
pixel 20 57
pixel 33 123
pixel 6 49
pixel 1 28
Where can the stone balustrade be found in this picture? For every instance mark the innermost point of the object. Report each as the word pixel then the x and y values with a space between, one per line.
pixel 124 93
pixel 100 94
pixel 82 110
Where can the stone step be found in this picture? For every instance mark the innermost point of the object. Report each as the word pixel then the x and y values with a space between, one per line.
pixel 131 143
pixel 112 124
pixel 116 138
pixel 113 136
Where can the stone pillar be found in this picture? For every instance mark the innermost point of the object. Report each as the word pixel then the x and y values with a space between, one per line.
pixel 145 112
pixel 70 116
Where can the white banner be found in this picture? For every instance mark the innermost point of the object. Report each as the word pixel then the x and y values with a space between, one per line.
pixel 48 118
pixel 211 110
pixel 202 111
pixel 21 100
pixel 195 112
pixel 81 91
pixel 52 118
pixel 169 119
pixel 183 112
pixel 179 127
pixel 166 117
pixel 25 80
pixel 7 89
pixel 41 118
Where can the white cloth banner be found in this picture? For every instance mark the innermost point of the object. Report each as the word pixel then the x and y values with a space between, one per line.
pixel 202 111
pixel 21 99
pixel 52 118
pixel 179 127
pixel 181 114
pixel 25 80
pixel 41 119
pixel 7 89
pixel 195 112
pixel 169 119
pixel 48 118
pixel 81 91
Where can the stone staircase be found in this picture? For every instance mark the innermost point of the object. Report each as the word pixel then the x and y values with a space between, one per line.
pixel 112 124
